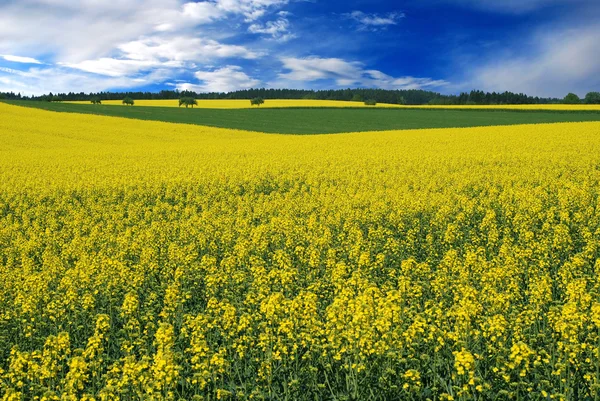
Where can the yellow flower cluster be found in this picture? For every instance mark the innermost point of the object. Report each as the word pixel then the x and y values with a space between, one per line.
pixel 282 103
pixel 145 260
pixel 244 104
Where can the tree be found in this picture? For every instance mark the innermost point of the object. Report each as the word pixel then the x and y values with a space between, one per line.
pixel 128 101
pixel 188 101
pixel 257 101
pixel 572 98
pixel 370 102
pixel 357 98
pixel 592 98
pixel 96 100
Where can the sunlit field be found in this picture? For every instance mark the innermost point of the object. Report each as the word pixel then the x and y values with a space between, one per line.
pixel 282 103
pixel 149 260
pixel 245 104
pixel 323 120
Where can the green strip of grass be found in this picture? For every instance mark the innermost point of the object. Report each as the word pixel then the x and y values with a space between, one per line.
pixel 322 120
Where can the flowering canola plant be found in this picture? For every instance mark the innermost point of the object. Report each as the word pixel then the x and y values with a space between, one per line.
pixel 155 261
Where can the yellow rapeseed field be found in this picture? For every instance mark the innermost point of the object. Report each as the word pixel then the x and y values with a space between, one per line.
pixel 282 103
pixel 146 260
pixel 245 104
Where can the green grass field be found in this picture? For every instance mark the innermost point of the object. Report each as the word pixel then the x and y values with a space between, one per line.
pixel 323 120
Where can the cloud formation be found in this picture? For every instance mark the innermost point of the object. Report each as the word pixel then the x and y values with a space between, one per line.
pixel 148 53
pixel 83 30
pixel 375 21
pixel 37 81
pixel 128 40
pixel 347 73
pixel 542 47
pixel 225 79
pixel 209 11
pixel 561 62
pixel 19 59
pixel 278 29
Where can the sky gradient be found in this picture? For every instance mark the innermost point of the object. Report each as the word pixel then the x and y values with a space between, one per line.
pixel 539 47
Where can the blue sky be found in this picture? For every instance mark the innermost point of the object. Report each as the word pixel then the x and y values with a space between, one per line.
pixel 540 47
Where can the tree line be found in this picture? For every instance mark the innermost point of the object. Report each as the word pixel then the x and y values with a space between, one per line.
pixel 408 97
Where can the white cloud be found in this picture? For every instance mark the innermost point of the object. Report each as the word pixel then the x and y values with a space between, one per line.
pixel 375 21
pixel 123 44
pixel 278 29
pixel 345 73
pixel 208 11
pixel 251 9
pixel 10 71
pixel 562 61
pixel 203 12
pixel 113 67
pixel 182 49
pixel 225 79
pixel 38 81
pixel 76 31
pixel 131 39
pixel 384 81
pixel 315 68
pixel 148 53
pixel 19 59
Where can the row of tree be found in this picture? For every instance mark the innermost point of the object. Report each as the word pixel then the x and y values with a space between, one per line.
pixel 590 98
pixel 186 101
pixel 410 96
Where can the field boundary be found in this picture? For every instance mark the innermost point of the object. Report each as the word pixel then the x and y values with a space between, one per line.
pixel 324 120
